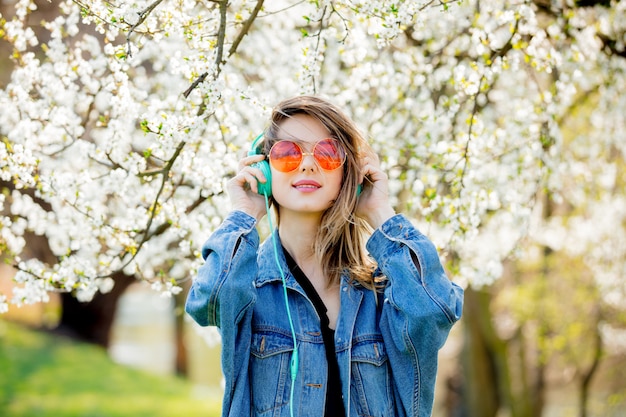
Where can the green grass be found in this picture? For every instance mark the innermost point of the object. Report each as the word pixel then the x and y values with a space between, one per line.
pixel 49 376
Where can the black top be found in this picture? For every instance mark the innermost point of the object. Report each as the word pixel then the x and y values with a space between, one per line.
pixel 334 403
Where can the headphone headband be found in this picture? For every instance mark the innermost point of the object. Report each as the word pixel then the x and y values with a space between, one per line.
pixel 254 143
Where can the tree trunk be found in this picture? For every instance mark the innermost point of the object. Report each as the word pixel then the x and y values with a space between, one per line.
pixel 587 377
pixel 480 387
pixel 488 385
pixel 92 321
pixel 179 331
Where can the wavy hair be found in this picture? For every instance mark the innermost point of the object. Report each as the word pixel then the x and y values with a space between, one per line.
pixel 340 241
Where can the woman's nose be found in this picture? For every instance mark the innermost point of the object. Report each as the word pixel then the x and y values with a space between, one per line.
pixel 308 161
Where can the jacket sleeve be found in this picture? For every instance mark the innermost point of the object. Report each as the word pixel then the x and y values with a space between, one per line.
pixel 420 306
pixel 223 295
pixel 224 288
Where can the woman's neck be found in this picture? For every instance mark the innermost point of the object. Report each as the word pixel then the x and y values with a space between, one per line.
pixel 297 234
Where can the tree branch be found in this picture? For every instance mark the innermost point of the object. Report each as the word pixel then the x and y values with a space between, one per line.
pixel 611 45
pixel 142 17
pixel 153 211
pixel 246 27
pixel 221 36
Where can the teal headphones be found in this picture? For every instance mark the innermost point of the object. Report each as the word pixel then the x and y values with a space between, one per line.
pixel 266 188
pixel 257 149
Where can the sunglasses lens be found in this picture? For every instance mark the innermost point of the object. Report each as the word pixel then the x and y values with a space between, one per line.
pixel 285 156
pixel 329 154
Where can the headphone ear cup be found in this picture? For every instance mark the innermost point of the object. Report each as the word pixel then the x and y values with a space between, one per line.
pixel 264 166
pixel 266 187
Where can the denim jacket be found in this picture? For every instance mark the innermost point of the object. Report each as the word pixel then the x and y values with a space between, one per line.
pixel 386 343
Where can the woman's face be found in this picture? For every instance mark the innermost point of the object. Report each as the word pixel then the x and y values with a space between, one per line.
pixel 308 189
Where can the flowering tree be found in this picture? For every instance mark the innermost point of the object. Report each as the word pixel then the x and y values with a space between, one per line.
pixel 121 121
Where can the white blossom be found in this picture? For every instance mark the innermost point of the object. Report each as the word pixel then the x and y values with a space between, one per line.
pixel 469 111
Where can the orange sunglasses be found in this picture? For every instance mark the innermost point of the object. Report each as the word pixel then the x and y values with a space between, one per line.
pixel 286 156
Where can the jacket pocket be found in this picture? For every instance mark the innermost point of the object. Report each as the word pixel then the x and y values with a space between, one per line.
pixel 269 371
pixel 370 382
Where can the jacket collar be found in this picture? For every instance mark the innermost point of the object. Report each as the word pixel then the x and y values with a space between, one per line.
pixel 270 252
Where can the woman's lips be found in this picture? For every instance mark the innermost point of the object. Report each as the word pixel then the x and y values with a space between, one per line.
pixel 306 185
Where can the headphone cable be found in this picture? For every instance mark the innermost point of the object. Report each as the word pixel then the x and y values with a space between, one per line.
pixel 294 357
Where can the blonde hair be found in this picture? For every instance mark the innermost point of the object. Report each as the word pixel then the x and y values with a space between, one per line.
pixel 340 241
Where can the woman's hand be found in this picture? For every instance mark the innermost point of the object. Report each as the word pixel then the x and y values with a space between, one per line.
pixel 242 188
pixel 373 204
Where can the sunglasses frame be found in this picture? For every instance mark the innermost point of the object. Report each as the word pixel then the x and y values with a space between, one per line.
pixel 338 146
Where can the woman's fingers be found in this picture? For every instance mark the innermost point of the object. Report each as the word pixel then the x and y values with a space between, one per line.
pixel 248 160
pixel 249 174
pixel 371 171
pixel 243 187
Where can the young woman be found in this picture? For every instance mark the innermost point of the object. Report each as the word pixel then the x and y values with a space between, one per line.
pixel 311 324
